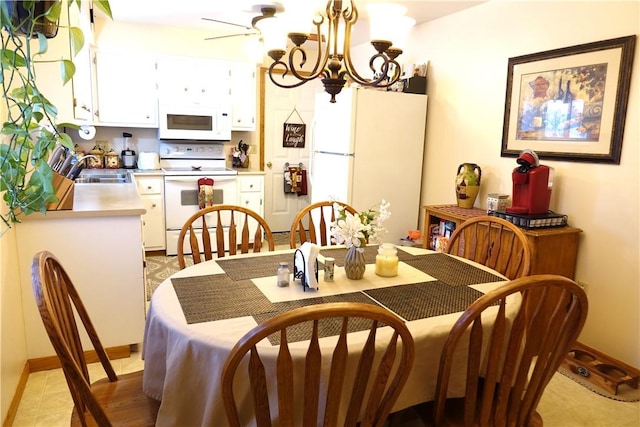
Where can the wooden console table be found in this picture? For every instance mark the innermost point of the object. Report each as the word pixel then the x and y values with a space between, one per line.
pixel 553 250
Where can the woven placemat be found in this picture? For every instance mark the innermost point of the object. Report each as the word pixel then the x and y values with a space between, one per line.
pixel 251 268
pixel 327 327
pixel 427 299
pixel 207 298
pixel 370 253
pixel 451 271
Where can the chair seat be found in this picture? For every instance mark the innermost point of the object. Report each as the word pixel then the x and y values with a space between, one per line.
pixel 123 401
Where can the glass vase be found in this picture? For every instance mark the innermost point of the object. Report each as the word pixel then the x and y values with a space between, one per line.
pixel 354 264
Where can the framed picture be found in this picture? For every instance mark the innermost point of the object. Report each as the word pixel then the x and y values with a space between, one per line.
pixel 569 103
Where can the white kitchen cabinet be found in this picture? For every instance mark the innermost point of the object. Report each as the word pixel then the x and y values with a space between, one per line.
pixel 193 82
pixel 243 96
pixel 81 83
pixel 151 189
pixel 251 195
pixel 103 257
pixel 125 89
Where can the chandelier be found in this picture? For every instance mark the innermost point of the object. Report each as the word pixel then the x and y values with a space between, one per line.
pixel 333 60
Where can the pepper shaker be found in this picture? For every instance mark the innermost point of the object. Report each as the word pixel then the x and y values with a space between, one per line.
pixel 283 274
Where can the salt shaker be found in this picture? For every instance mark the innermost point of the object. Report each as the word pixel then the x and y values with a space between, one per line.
pixel 283 274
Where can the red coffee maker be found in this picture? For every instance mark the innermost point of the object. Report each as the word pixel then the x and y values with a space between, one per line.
pixel 531 186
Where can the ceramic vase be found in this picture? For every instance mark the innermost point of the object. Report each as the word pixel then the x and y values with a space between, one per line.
pixel 354 264
pixel 468 184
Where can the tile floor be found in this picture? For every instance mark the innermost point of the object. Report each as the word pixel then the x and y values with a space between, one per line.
pixel 47 402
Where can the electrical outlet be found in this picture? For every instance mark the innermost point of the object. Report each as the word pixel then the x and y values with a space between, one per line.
pixel 584 286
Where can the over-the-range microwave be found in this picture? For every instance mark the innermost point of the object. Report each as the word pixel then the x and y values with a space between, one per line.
pixel 204 123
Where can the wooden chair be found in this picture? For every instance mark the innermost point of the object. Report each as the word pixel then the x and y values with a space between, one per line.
pixel 504 384
pixel 115 400
pixel 383 376
pixel 315 219
pixel 493 242
pixel 225 220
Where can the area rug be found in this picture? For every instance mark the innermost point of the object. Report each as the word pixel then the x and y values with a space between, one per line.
pixel 626 393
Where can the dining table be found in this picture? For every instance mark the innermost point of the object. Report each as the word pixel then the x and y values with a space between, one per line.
pixel 197 315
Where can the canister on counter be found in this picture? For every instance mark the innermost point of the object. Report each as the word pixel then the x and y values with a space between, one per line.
pixel 111 160
pixel 96 162
pixel 497 202
pixel 329 266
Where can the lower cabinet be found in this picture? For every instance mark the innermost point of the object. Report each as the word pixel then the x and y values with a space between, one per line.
pixel 251 194
pixel 103 257
pixel 150 188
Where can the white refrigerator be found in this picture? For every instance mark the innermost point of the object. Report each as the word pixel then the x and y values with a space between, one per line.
pixel 369 146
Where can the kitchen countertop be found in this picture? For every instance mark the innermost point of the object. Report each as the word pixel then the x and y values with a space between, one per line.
pixel 99 200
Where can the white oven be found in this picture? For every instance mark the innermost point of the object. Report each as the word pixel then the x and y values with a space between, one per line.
pixel 184 164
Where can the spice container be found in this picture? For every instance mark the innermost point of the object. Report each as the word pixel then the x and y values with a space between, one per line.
pixel 283 274
pixel 329 265
pixel 387 260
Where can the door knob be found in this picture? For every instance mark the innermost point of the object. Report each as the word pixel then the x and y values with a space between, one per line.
pixel 269 164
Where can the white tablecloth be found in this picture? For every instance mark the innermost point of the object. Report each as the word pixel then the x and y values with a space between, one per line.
pixel 183 362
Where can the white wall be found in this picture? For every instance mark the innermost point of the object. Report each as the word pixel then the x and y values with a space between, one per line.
pixel 468 54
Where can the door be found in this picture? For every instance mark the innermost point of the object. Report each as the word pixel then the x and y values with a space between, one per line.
pixel 280 208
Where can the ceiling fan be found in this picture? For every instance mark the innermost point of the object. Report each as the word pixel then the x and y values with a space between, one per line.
pixel 265 10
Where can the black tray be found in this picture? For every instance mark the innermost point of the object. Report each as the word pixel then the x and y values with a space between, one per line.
pixel 547 220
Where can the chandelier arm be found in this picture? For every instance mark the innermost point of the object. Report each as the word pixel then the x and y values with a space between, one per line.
pixel 302 79
pixel 321 60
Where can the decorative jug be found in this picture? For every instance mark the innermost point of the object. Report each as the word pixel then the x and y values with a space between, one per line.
pixel 467 184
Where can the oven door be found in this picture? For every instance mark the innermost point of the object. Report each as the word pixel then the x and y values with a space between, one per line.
pixel 181 201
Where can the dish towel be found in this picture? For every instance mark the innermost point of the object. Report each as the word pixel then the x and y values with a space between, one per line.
pixel 205 192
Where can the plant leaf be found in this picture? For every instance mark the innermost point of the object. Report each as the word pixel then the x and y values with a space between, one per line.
pixel 53 14
pixel 77 40
pixel 67 70
pixel 104 6
pixel 43 44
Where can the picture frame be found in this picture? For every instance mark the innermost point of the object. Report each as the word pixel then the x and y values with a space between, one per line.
pixel 570 103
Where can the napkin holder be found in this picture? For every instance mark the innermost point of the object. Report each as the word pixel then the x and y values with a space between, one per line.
pixel 305 266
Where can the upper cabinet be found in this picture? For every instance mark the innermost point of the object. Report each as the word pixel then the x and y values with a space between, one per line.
pixel 125 89
pixel 193 82
pixel 243 96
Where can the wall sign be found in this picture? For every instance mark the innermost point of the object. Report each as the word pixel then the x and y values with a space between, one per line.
pixel 293 134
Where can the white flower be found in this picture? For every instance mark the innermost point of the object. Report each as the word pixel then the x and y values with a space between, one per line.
pixel 358 230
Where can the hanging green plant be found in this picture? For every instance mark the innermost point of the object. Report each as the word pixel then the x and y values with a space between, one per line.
pixel 29 128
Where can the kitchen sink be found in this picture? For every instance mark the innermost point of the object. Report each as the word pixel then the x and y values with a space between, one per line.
pixel 103 178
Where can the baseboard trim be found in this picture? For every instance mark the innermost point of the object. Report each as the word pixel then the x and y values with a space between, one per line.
pixel 52 362
pixel 17 397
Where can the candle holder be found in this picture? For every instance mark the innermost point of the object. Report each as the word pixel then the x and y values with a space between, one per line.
pixel 387 260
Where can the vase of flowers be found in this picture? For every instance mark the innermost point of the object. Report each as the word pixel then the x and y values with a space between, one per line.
pixel 355 231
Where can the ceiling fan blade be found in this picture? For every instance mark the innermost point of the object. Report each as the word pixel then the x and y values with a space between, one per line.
pixel 231 35
pixel 227 23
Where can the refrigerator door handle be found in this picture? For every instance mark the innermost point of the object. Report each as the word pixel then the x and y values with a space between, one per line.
pixel 334 153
